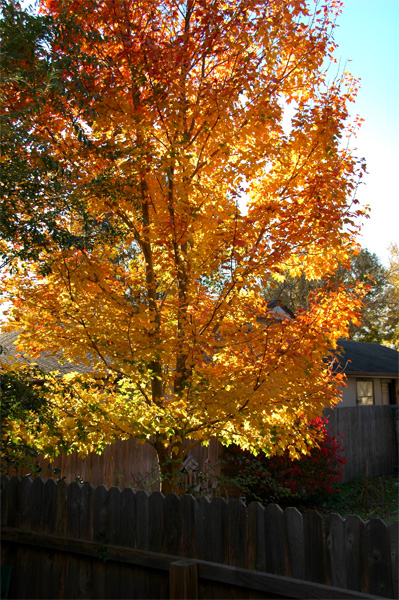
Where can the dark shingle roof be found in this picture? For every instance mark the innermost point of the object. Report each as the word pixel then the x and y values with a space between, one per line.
pixel 372 359
pixel 46 361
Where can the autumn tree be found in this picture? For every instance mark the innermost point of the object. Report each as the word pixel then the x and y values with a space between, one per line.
pixel 379 311
pixel 168 121
pixel 393 298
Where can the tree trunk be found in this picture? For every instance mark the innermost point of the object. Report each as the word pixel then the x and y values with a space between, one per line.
pixel 169 466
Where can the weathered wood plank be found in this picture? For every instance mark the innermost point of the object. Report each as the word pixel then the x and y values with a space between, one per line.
pixel 274 539
pixel 72 566
pixel 36 504
pixel 256 537
pixel 86 533
pixel 73 509
pixel 183 580
pixel 394 542
pixel 49 505
pixel 24 507
pixel 60 528
pixel 368 439
pixel 61 508
pixel 45 590
pixel 26 570
pixel 294 543
pixel 276 586
pixel 100 536
pixel 187 518
pixel 335 555
pixel 113 572
pixel 141 581
pixel 355 550
pixel 215 530
pixel 86 512
pixel 171 524
pixel 236 534
pixel 314 547
pixel 142 503
pixel 127 536
pixel 158 586
pixel 128 518
pixel 4 483
pixel 379 558
pixel 155 521
pixel 202 534
pixel 13 496
pixel 288 587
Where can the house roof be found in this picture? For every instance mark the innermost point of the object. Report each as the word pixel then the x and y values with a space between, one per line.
pixel 46 361
pixel 361 358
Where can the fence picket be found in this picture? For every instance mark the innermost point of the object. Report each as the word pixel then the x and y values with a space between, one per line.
pixel 4 484
pixel 294 543
pixel 45 583
pixel 127 537
pixel 45 579
pixel 142 504
pixel 215 530
pixel 49 503
pixel 113 569
pixel 255 537
pixel 78 551
pixel 86 533
pixel 100 535
pixel 25 500
pixel 158 586
pixel 202 527
pixel 155 521
pixel 335 542
pixel 72 566
pixel 274 539
pixel 379 558
pixel 13 493
pixel 36 516
pixel 314 547
pixel 172 524
pixel 187 504
pixel 237 531
pixel 355 546
pixel 394 543
pixel 128 518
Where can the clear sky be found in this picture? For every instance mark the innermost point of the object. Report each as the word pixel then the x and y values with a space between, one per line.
pixel 368 35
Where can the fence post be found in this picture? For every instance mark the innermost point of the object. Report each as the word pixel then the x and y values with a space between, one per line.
pixel 183 580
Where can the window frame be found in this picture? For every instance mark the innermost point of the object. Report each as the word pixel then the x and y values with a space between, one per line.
pixel 365 380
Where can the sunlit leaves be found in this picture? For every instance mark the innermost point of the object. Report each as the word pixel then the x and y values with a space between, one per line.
pixel 169 113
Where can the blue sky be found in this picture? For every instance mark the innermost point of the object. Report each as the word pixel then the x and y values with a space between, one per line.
pixel 368 36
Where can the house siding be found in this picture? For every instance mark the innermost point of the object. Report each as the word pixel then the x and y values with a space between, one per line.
pixel 349 393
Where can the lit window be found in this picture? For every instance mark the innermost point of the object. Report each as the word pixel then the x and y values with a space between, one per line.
pixel 365 394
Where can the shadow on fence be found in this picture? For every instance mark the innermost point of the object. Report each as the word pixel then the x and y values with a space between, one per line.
pixel 74 541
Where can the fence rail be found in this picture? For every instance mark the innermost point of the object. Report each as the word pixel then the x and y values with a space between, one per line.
pixel 74 541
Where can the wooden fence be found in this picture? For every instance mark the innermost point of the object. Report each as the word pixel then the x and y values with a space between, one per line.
pixel 74 541
pixel 369 440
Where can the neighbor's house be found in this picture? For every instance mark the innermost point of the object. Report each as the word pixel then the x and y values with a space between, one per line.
pixel 46 361
pixel 367 416
pixel 372 372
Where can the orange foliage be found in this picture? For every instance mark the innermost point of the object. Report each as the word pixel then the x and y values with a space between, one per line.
pixel 176 112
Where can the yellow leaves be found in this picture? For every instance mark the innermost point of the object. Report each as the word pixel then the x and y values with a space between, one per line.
pixel 160 300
